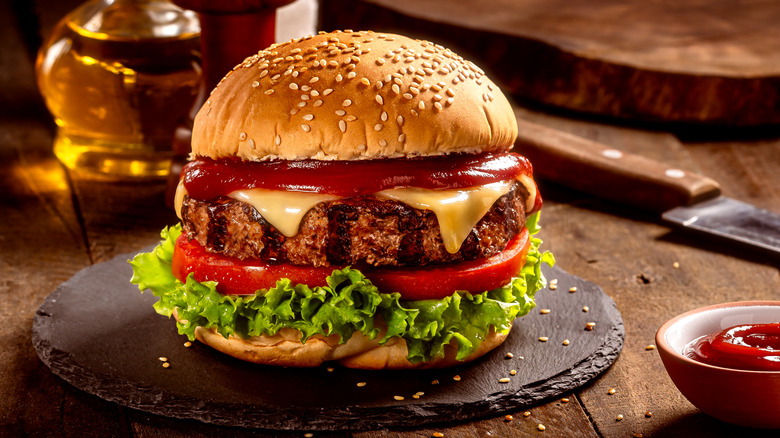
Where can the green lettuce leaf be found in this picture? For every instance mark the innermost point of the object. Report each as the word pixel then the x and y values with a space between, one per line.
pixel 348 303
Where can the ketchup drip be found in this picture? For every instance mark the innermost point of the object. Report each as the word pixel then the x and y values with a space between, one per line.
pixel 744 347
pixel 207 178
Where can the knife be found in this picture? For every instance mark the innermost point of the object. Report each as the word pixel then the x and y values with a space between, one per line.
pixel 683 198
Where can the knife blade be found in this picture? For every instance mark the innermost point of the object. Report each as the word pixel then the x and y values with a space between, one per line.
pixel 683 198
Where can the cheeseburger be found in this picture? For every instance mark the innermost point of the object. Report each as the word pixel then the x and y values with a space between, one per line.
pixel 351 198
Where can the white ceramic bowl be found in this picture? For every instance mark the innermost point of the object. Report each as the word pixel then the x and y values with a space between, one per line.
pixel 745 398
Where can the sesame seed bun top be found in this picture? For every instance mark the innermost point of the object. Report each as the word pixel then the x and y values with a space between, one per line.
pixel 353 95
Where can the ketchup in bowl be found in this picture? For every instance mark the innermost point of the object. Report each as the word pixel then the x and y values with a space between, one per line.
pixel 753 347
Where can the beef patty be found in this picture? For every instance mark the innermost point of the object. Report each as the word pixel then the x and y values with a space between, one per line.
pixel 356 231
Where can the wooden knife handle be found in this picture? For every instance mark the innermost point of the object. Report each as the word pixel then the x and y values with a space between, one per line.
pixel 594 168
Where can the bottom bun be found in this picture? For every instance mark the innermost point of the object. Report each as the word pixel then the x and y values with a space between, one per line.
pixel 285 349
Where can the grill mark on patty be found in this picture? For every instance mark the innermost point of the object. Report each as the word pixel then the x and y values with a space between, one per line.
pixel 350 231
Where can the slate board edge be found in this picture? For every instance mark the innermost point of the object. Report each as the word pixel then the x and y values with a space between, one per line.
pixel 160 402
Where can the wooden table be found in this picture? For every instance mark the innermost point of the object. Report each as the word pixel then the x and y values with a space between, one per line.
pixel 55 222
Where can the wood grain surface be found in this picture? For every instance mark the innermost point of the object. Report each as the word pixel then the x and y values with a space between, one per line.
pixel 692 61
pixel 55 223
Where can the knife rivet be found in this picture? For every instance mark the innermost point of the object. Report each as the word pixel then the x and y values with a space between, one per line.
pixel 674 173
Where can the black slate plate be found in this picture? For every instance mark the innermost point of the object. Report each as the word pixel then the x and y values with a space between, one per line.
pixel 100 334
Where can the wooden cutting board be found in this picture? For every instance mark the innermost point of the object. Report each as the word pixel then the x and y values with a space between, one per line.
pixel 691 61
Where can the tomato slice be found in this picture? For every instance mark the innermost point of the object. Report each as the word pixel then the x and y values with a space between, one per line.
pixel 244 277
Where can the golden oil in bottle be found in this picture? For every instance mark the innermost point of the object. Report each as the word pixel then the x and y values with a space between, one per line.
pixel 118 76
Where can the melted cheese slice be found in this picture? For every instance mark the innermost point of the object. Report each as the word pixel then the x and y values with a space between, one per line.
pixel 457 210
pixel 283 210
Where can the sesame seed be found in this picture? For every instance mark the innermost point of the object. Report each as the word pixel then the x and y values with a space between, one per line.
pixel 339 78
pixel 450 101
pixel 277 140
pixel 351 118
pixel 573 289
pixel 379 85
pixel 342 126
pixel 301 104
pixel 564 400
pixel 398 397
pixel 242 136
pixel 317 103
pixel 383 142
pixel 407 96
pixel 315 93
pixel 269 92
pixel 346 102
pixel 437 97
pixel 263 74
pixel 414 113
pixel 508 417
pixel 294 111
pixel 509 355
pixel 379 100
pixel 585 308
pixel 566 342
pixel 334 64
pixel 162 359
pixel 396 89
pixel 504 380
pixel 619 417
pixel 166 365
pixel 543 339
pixel 293 86
pixel 340 112
pixel 541 427
pixel 456 377
pixel 327 91
pixel 383 116
pixel 380 61
pixel 400 120
pixel 255 84
pixel 361 384
pixel 305 97
pixel 544 311
pixel 450 92
pixel 401 138
pixel 676 265
pixel 527 414
pixel 351 75
pixel 188 344
pixel 437 106
pixel 305 127
pixel 365 82
pixel 438 435
pixel 378 127
pixel 308 117
pixel 421 105
pixel 650 347
pixel 314 79
pixel 611 391
pixel 512 372
pixel 414 90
